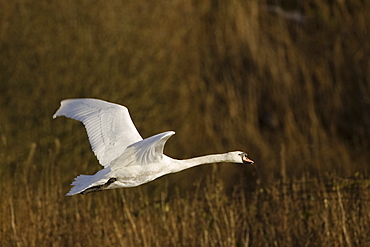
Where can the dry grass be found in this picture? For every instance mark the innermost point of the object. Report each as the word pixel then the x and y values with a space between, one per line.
pixel 226 75
pixel 299 212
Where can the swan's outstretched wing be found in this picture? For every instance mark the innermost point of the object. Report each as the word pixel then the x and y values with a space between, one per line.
pixel 147 151
pixel 109 126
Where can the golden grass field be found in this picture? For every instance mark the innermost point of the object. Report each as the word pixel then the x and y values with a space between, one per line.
pixel 225 75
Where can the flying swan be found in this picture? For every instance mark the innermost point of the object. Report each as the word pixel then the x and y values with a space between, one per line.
pixel 127 158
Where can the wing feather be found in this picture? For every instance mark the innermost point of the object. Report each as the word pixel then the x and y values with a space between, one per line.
pixel 147 151
pixel 109 126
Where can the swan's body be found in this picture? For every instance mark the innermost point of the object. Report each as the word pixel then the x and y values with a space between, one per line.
pixel 127 158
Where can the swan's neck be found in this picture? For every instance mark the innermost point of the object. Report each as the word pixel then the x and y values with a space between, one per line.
pixel 179 165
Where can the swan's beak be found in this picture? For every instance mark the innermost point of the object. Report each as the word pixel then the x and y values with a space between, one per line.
pixel 247 160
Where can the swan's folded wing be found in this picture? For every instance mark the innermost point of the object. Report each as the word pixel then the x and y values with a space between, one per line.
pixel 147 151
pixel 109 126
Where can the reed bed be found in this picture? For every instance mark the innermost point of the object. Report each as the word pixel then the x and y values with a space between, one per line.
pixel 306 211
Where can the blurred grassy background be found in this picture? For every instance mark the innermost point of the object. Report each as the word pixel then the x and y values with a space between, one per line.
pixel 225 75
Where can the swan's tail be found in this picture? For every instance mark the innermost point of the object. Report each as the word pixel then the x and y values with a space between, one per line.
pixel 81 183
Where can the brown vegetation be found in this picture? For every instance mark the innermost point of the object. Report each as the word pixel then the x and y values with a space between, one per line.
pixel 225 75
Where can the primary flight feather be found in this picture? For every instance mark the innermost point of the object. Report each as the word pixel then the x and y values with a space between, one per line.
pixel 127 158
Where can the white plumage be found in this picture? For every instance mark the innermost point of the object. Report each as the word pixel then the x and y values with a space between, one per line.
pixel 127 158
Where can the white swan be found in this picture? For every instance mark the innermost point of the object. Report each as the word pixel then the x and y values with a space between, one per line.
pixel 127 158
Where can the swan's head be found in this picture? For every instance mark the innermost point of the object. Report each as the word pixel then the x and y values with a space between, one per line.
pixel 245 158
pixel 241 157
